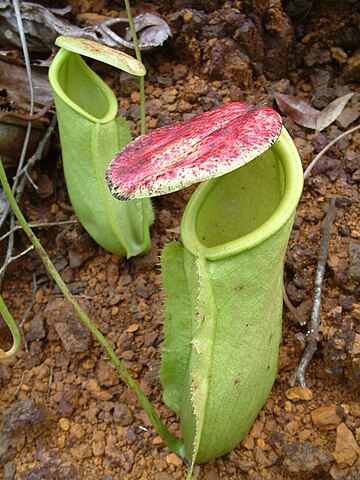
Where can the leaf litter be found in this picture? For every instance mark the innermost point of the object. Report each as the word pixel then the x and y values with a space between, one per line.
pixel 302 113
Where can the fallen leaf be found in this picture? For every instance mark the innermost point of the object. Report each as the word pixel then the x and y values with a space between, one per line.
pixel 331 112
pixel 305 115
pixel 297 109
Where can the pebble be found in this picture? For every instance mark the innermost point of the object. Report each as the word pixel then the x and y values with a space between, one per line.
pixel 64 424
pixel 36 328
pixel 298 393
pixel 20 415
pixel 173 459
pixel 327 417
pixel 354 258
pixel 122 415
pixel 73 334
pixel 9 471
pixel 96 391
pixel 134 327
pixel 346 451
pixel 302 457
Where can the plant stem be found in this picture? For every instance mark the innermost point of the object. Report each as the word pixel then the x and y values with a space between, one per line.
pixel 170 440
pixel 15 332
pixel 138 58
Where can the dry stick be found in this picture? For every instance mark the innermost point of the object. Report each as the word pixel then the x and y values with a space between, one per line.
pixel 313 333
pixel 169 439
pixel 29 118
pixel 325 149
pixel 40 225
pixel 292 309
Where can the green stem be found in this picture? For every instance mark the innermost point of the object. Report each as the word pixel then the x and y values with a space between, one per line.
pixel 138 58
pixel 170 440
pixel 15 332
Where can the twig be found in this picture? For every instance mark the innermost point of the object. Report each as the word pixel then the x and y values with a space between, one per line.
pixel 312 336
pixel 325 149
pixel 10 259
pixel 20 385
pixel 39 225
pixel 29 118
pixel 292 309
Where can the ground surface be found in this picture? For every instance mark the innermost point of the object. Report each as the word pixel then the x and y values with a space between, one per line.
pixel 65 412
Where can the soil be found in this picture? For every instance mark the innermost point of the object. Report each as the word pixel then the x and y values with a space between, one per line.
pixel 65 412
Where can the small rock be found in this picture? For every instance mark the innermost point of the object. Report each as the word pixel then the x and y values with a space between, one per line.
pixel 347 116
pixel 301 457
pixel 248 442
pixel 9 471
pixel 45 186
pixel 122 415
pixel 64 424
pixel 52 466
pixel 173 459
pixel 20 415
pixel 157 440
pixel 36 330
pixel 257 429
pixel 96 391
pixel 354 258
pixel 298 393
pixel 317 56
pixel 76 433
pixel 69 398
pixel 73 334
pixel 7 452
pixel 352 69
pixel 106 374
pixel 326 418
pixel 346 451
pixel 112 273
pixel 133 328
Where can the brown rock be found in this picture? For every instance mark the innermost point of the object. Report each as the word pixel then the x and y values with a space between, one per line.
pixel 173 459
pixel 298 393
pixel 123 415
pixel 106 374
pixel 73 335
pixel 346 451
pixel 326 418
pixel 76 433
pixel 96 391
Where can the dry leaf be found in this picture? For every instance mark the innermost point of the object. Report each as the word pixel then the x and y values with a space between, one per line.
pixel 305 115
pixel 298 110
pixel 331 112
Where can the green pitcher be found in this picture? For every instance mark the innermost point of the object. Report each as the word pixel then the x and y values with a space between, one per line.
pixel 91 134
pixel 223 282
pixel 223 291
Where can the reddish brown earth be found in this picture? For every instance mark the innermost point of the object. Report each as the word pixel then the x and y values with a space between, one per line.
pixel 65 412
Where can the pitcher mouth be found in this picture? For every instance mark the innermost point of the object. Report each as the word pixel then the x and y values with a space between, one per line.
pixel 240 210
pixel 81 88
